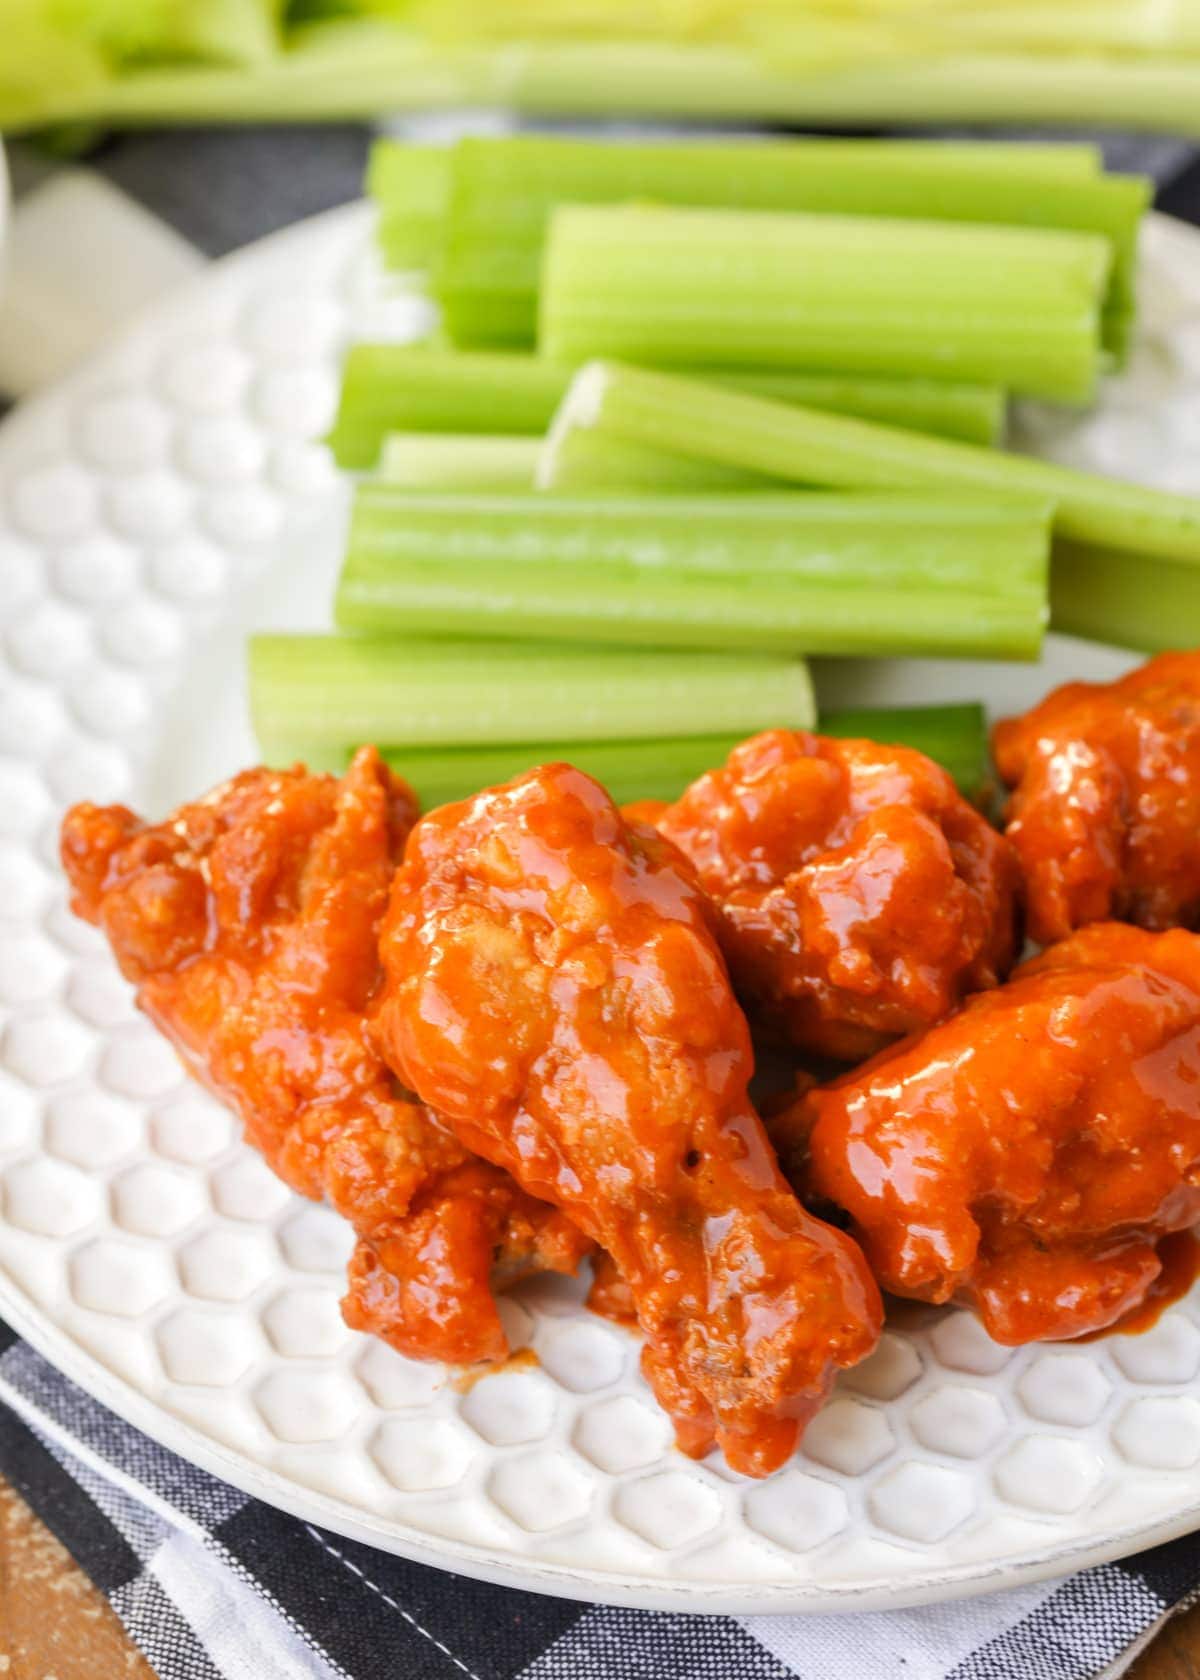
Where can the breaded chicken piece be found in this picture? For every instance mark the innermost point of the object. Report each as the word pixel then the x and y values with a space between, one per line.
pixel 553 988
pixel 1105 808
pixel 860 896
pixel 249 922
pixel 1027 1154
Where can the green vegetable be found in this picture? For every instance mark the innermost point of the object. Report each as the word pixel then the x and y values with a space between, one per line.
pixel 64 60
pixel 955 736
pixel 1017 307
pixel 1130 600
pixel 495 197
pixel 327 690
pixel 974 413
pixel 662 411
pixel 459 461
pixel 413 388
pixel 402 388
pixel 927 574
pixel 342 67
pixel 577 462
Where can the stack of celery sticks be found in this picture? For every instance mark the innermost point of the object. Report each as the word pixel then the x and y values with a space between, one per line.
pixel 698 409
pixel 1133 63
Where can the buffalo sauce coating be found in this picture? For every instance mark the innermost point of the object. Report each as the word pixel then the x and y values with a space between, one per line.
pixel 1027 1154
pixel 553 989
pixel 249 923
pixel 1105 808
pixel 860 895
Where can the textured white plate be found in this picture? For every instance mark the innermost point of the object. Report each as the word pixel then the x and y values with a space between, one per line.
pixel 151 510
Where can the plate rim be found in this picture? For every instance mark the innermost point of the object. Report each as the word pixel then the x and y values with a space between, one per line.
pixel 177 1435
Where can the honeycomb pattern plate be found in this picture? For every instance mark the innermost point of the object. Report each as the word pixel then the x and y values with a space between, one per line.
pixel 154 507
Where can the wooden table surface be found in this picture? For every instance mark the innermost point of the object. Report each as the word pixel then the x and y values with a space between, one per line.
pixel 54 1625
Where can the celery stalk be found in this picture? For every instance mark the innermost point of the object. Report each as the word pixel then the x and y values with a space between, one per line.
pixel 583 461
pixel 413 388
pixel 974 413
pixel 459 461
pixel 503 190
pixel 656 768
pixel 578 462
pixel 354 68
pixel 662 411
pixel 1017 307
pixel 405 388
pixel 411 184
pixel 893 574
pixel 328 690
pixel 1129 600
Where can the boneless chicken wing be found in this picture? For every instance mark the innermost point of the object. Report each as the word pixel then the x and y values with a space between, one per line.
pixel 860 896
pixel 249 923
pixel 1105 808
pixel 1027 1154
pixel 553 988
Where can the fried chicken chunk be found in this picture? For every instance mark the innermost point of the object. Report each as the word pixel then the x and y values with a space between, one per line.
pixel 553 989
pixel 249 923
pixel 1026 1155
pixel 1105 809
pixel 860 896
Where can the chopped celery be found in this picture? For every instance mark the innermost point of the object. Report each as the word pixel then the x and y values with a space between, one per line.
pixel 971 412
pixel 411 184
pixel 355 67
pixel 954 736
pixel 404 388
pixel 1130 600
pixel 459 461
pixel 503 189
pixel 892 574
pixel 327 690
pixel 662 411
pixel 414 388
pixel 1018 307
pixel 630 770
pixel 579 462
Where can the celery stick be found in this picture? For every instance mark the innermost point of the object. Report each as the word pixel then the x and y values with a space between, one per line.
pixel 666 412
pixel 954 736
pixel 504 189
pixel 1017 307
pixel 461 461
pixel 649 769
pixel 413 388
pixel 411 184
pixel 893 574
pixel 972 413
pixel 327 690
pixel 402 388
pixel 584 463
pixel 345 69
pixel 1129 600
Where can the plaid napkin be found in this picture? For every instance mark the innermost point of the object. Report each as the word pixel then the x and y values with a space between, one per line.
pixel 211 1583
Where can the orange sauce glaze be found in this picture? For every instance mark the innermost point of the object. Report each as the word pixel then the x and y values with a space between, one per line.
pixel 860 896
pixel 1105 807
pixel 553 988
pixel 1179 1256
pixel 1027 1155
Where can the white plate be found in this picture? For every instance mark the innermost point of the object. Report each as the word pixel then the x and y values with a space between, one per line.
pixel 152 509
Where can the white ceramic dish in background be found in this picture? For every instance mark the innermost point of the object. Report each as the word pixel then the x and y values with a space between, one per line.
pixel 152 509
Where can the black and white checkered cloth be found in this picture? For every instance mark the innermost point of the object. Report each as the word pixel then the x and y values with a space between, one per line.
pixel 213 1585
